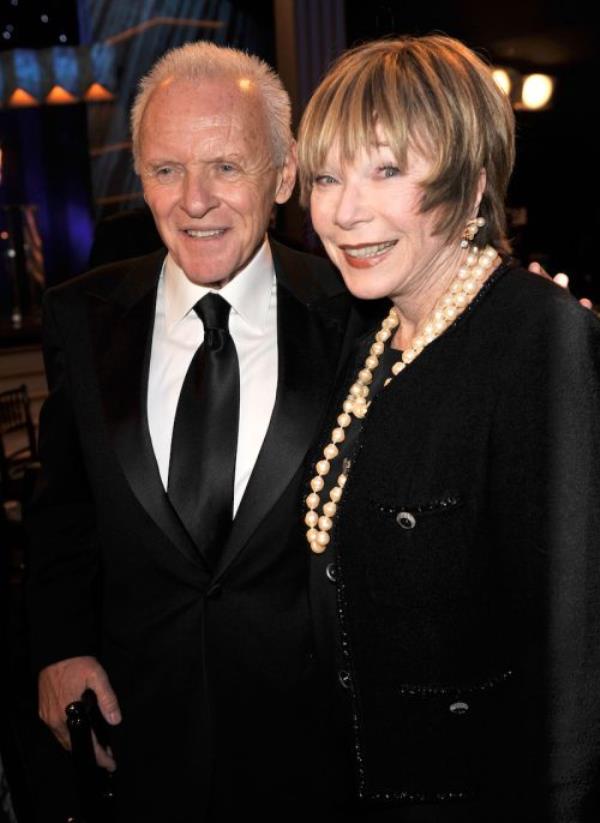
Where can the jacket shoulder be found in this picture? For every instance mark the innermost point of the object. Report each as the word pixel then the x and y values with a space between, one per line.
pixel 103 280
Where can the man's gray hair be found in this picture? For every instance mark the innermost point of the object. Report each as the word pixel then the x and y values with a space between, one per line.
pixel 207 61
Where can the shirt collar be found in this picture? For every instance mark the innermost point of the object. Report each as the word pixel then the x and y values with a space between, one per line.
pixel 248 293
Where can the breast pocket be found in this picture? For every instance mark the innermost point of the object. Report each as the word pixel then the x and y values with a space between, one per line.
pixel 418 550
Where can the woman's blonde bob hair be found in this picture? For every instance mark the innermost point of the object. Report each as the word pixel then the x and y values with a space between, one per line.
pixel 431 94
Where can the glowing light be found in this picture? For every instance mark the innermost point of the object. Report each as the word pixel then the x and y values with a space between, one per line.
pixel 502 79
pixel 537 91
pixel 20 97
pixel 58 96
pixel 97 93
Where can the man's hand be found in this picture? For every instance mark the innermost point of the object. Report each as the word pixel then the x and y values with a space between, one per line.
pixel 65 681
pixel 560 279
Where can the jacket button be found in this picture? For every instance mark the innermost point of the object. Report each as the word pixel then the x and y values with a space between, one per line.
pixel 460 707
pixel 344 679
pixel 330 572
pixel 406 520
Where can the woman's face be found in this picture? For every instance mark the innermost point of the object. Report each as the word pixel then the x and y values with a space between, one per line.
pixel 367 216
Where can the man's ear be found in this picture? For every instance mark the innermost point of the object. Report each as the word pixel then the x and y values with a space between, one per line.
pixel 286 176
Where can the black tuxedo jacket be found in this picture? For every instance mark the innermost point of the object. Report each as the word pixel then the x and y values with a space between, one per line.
pixel 213 667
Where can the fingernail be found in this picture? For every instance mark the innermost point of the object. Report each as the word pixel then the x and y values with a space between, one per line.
pixel 114 718
pixel 561 279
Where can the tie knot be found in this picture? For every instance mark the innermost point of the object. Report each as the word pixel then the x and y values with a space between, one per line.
pixel 213 310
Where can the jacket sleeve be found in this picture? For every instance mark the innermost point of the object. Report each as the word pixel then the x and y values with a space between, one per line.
pixel 545 493
pixel 63 556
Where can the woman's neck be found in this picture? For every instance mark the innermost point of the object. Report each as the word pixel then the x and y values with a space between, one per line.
pixel 416 302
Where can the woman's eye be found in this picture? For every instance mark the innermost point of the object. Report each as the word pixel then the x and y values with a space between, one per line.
pixel 324 180
pixel 227 168
pixel 389 171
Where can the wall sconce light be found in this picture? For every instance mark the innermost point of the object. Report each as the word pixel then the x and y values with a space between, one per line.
pixel 529 92
pixel 57 76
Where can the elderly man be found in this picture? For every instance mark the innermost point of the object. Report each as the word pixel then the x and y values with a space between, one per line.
pixel 168 571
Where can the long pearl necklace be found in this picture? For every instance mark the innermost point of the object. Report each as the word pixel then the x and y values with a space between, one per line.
pixel 470 278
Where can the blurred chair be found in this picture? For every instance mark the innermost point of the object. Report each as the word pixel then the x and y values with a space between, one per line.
pixel 18 447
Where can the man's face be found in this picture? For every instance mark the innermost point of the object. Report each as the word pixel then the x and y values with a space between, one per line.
pixel 208 175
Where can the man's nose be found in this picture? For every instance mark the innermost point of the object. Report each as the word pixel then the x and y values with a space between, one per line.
pixel 351 207
pixel 198 196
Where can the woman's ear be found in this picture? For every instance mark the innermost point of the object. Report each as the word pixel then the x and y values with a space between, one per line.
pixel 481 184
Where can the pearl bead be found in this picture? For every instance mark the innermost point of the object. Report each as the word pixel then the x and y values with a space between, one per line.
pixel 323 467
pixel 365 375
pixel 325 523
pixel 418 344
pixel 356 390
pixel 323 539
pixel 337 436
pixel 336 494
pixel 408 356
pixel 317 548
pixel 461 300
pixel 330 509
pixel 331 451
pixel 377 348
pixel 311 519
pixel 317 484
pixel 398 367
pixel 470 286
pixel 360 411
pixel 372 362
pixel 387 381
pixel 313 500
pixel 383 335
pixel 345 419
pixel 342 480
pixel 311 535
pixel 347 406
pixel 463 273
pixel 450 312
pixel 428 329
pixel 439 325
pixel 389 323
pixel 471 259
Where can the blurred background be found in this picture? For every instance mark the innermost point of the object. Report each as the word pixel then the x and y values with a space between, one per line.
pixel 69 197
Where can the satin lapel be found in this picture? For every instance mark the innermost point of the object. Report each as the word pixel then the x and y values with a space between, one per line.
pixel 121 329
pixel 309 342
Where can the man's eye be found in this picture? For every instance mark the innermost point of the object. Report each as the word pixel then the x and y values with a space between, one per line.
pixel 165 174
pixel 227 168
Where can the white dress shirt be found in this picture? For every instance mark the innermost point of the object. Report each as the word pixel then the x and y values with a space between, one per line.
pixel 178 331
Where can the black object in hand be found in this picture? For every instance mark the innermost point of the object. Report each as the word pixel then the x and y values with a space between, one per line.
pixel 94 783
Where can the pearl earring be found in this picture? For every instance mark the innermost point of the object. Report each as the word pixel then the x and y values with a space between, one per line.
pixel 471 230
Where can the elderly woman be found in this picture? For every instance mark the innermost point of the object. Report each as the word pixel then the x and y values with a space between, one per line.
pixel 456 497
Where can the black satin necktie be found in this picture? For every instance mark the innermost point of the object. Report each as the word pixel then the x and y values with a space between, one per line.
pixel 205 432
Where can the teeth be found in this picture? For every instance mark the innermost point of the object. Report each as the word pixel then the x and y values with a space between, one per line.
pixel 370 251
pixel 211 233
